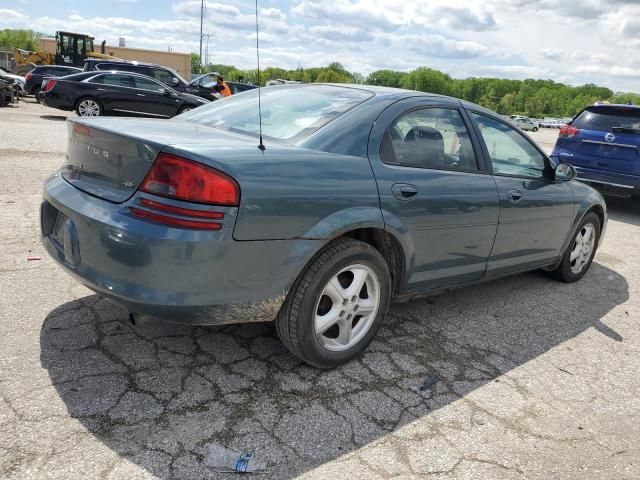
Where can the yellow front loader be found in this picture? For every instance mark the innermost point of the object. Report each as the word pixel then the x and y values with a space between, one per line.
pixel 71 49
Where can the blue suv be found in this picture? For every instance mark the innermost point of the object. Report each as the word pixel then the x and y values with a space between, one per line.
pixel 602 142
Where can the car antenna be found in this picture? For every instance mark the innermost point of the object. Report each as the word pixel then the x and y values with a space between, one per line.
pixel 260 145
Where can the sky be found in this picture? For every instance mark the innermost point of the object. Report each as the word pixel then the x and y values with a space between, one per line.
pixel 574 42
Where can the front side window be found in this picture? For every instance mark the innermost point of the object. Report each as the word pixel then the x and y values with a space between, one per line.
pixel 162 75
pixel 435 138
pixel 510 152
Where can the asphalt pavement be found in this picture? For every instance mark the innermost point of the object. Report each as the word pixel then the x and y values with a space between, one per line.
pixel 518 378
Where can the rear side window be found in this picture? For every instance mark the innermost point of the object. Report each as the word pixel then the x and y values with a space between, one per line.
pixel 434 138
pixel 607 118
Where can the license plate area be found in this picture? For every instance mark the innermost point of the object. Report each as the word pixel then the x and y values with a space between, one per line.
pixel 57 233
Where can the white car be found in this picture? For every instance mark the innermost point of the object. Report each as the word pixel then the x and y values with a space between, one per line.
pixel 525 123
pixel 17 78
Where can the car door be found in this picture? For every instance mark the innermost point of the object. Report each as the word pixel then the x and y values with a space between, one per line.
pixel 434 191
pixel 114 90
pixel 535 211
pixel 154 98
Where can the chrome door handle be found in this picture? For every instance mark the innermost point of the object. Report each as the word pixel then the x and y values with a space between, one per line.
pixel 514 195
pixel 141 94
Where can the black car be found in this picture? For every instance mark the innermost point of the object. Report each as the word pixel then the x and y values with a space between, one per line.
pixel 7 90
pixel 33 79
pixel 158 72
pixel 92 94
pixel 203 86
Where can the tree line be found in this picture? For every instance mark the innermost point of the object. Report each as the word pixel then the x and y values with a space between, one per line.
pixel 534 98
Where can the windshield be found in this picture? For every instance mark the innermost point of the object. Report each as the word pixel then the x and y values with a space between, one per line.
pixel 608 118
pixel 288 112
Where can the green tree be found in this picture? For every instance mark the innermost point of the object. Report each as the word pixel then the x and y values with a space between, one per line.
pixel 195 62
pixel 24 39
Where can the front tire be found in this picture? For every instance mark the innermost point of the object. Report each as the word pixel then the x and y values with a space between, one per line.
pixel 184 109
pixel 89 107
pixel 335 308
pixel 578 256
pixel 535 129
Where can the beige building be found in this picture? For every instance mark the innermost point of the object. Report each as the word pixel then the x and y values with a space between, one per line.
pixel 180 62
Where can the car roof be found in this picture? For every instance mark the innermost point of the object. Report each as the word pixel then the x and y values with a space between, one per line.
pixel 615 105
pixel 58 66
pixel 378 91
pixel 95 73
pixel 126 62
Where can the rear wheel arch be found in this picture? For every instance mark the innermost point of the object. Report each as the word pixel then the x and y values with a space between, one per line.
pixel 388 246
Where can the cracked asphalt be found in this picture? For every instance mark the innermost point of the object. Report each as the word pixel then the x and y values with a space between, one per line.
pixel 518 378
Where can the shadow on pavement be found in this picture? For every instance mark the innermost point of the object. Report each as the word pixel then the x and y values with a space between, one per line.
pixel 53 117
pixel 158 394
pixel 624 210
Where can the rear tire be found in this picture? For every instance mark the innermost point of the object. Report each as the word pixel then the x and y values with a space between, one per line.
pixel 535 129
pixel 579 254
pixel 336 306
pixel 36 93
pixel 89 107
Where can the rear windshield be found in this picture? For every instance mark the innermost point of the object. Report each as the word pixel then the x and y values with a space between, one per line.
pixel 288 112
pixel 606 118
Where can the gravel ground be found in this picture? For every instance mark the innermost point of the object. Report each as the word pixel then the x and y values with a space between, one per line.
pixel 517 378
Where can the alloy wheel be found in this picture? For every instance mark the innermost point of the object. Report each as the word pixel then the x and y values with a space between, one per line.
pixel 88 108
pixel 583 246
pixel 347 307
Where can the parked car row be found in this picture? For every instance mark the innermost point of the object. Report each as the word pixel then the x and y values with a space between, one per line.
pixel 552 123
pixel 118 88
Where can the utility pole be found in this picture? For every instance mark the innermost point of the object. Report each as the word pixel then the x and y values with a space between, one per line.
pixel 206 50
pixel 201 21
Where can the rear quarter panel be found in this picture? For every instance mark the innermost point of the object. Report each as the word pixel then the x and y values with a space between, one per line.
pixel 289 192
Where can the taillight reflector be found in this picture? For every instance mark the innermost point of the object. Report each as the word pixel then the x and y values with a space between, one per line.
pixel 28 76
pixel 569 131
pixel 173 221
pixel 81 129
pixel 175 177
pixel 181 211
pixel 50 84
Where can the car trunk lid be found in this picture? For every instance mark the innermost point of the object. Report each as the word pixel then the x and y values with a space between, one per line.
pixel 109 157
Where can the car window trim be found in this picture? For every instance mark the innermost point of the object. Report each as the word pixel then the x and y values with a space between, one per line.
pixel 479 170
pixel 103 73
pixel 547 162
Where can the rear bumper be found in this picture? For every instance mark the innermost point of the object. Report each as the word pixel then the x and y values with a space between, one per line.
pixel 612 183
pixel 180 275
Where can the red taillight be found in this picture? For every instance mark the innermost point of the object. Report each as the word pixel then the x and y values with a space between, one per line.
pixel 569 131
pixel 28 76
pixel 81 129
pixel 175 177
pixel 50 84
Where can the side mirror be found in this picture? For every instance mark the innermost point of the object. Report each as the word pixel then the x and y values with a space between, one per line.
pixel 175 81
pixel 565 172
